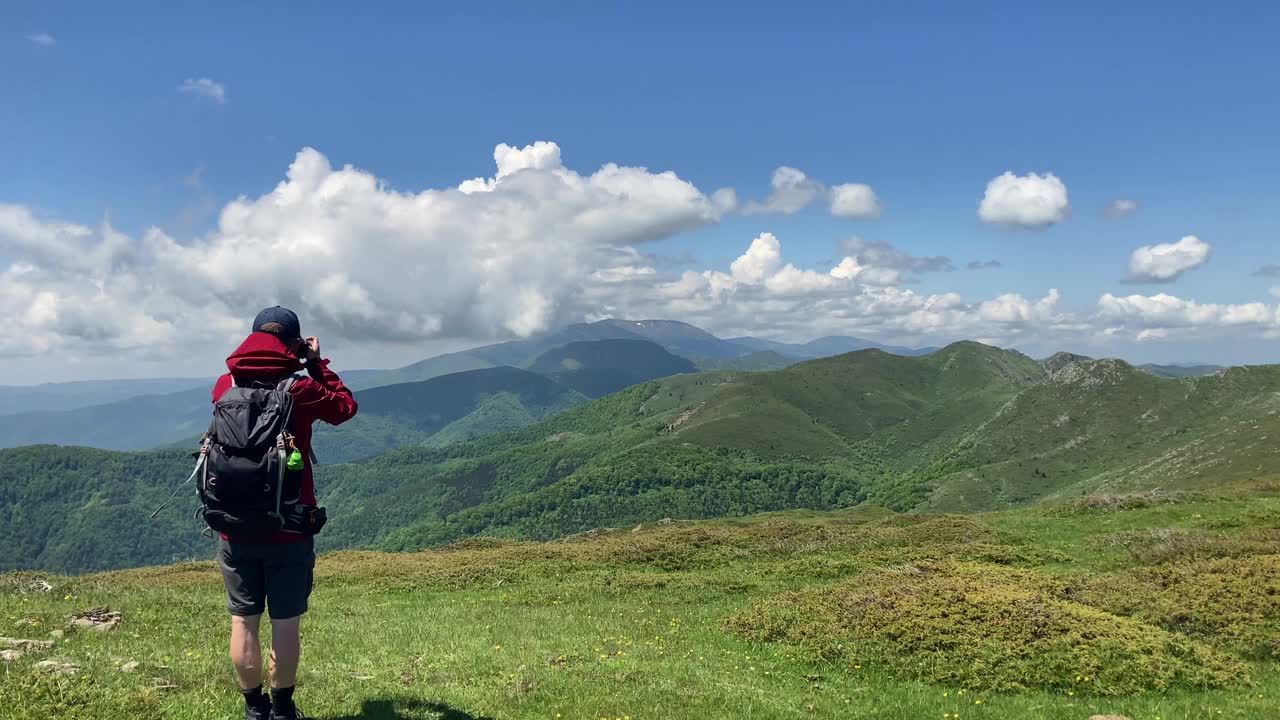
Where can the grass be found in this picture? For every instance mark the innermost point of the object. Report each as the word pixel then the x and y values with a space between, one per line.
pixel 658 622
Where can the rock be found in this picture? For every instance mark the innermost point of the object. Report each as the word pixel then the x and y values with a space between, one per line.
pixel 26 644
pixel 28 584
pixel 10 655
pixel 57 667
pixel 100 619
pixel 130 666
pixel 57 634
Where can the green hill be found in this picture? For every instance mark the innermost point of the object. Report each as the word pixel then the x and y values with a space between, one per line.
pixel 601 367
pixel 76 509
pixel 1103 425
pixel 968 427
pixel 1144 607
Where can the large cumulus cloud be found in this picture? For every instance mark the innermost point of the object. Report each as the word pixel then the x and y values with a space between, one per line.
pixel 493 257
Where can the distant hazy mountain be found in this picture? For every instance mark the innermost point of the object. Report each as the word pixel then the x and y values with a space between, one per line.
pixel 459 406
pixel 678 338
pixel 825 347
pixel 601 367
pixel 754 362
pixel 1180 371
pixel 16 399
pixel 390 416
pixel 422 370
pixel 135 423
pixel 431 405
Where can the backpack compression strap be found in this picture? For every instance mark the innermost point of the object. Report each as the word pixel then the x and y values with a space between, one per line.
pixel 286 385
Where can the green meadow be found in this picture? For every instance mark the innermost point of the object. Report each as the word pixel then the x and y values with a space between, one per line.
pixel 1152 606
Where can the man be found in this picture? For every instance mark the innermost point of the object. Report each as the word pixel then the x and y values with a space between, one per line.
pixel 274 573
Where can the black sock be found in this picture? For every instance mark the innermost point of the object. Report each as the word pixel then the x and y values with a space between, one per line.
pixel 255 698
pixel 282 700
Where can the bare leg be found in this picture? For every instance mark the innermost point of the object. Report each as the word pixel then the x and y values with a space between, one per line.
pixel 286 648
pixel 246 650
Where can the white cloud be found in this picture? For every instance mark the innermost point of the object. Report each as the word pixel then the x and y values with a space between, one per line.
pixel 854 200
pixel 1168 312
pixel 851 268
pixel 362 262
pixel 1275 292
pixel 1120 208
pixel 792 191
pixel 762 293
pixel 1165 263
pixel 204 87
pixel 42 39
pixel 1025 201
pixel 725 200
pixel 761 260
pixel 883 255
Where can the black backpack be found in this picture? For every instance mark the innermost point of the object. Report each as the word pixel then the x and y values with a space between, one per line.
pixel 242 471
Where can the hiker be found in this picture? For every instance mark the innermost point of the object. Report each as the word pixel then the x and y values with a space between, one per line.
pixel 267 547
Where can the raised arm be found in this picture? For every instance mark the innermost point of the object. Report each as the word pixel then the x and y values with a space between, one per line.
pixel 323 396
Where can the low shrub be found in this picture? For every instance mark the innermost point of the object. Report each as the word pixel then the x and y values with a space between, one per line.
pixel 1128 501
pixel 986 627
pixel 1231 602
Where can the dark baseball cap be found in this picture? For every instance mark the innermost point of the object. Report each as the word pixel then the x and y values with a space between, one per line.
pixel 284 317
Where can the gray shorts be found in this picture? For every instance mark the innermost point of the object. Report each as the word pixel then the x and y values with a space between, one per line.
pixel 274 577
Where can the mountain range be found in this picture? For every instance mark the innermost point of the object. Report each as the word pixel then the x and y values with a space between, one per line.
pixel 966 428
pixel 614 354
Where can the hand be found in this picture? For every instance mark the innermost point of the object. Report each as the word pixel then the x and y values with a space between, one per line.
pixel 312 347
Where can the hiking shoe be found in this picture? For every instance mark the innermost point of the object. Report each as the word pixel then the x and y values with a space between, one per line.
pixel 258 712
pixel 294 714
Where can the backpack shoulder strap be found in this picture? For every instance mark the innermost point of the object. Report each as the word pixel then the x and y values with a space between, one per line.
pixel 287 384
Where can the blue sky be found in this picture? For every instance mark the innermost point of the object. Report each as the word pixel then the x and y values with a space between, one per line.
pixel 1171 105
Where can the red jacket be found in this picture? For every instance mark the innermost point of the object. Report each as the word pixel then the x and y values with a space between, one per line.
pixel 320 396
